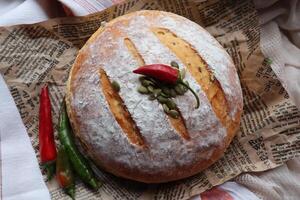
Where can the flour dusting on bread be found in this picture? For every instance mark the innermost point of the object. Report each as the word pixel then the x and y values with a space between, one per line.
pixel 168 156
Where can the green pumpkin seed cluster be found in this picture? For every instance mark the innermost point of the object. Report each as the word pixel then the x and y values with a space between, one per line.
pixel 163 93
pixel 115 85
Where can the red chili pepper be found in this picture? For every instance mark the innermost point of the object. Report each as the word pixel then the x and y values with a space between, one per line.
pixel 64 173
pixel 160 72
pixel 166 74
pixel 46 136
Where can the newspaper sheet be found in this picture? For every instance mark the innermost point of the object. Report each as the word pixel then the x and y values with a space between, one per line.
pixel 32 55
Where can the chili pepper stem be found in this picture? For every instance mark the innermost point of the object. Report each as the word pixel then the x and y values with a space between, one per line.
pixel 194 93
pixel 71 192
pixel 50 169
pixel 64 173
pixel 94 183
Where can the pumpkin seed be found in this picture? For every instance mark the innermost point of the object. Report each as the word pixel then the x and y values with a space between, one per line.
pixel 146 83
pixel 166 90
pixel 162 99
pixel 152 80
pixel 268 61
pixel 173 92
pixel 171 104
pixel 166 108
pixel 182 73
pixel 174 64
pixel 174 113
pixel 179 89
pixel 142 78
pixel 156 92
pixel 185 89
pixel 164 95
pixel 150 88
pixel 151 97
pixel 115 85
pixel 143 90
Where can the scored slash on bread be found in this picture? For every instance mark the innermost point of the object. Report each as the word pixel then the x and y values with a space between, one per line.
pixel 120 111
pixel 114 125
pixel 198 69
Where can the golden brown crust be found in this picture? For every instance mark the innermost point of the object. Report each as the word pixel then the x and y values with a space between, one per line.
pixel 206 155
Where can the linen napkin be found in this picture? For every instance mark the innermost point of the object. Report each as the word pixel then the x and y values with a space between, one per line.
pixel 20 175
pixel 14 12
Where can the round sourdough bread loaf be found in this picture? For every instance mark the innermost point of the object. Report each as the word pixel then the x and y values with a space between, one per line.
pixel 130 136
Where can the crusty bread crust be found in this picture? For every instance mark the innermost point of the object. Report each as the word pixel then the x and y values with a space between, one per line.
pixel 158 162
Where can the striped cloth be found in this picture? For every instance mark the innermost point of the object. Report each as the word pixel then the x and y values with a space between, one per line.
pixel 84 7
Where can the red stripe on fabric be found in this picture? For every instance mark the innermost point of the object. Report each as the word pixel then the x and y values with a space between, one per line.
pixel 68 11
pixel 216 194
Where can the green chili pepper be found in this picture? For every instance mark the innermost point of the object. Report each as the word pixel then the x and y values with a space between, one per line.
pixel 64 174
pixel 79 163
